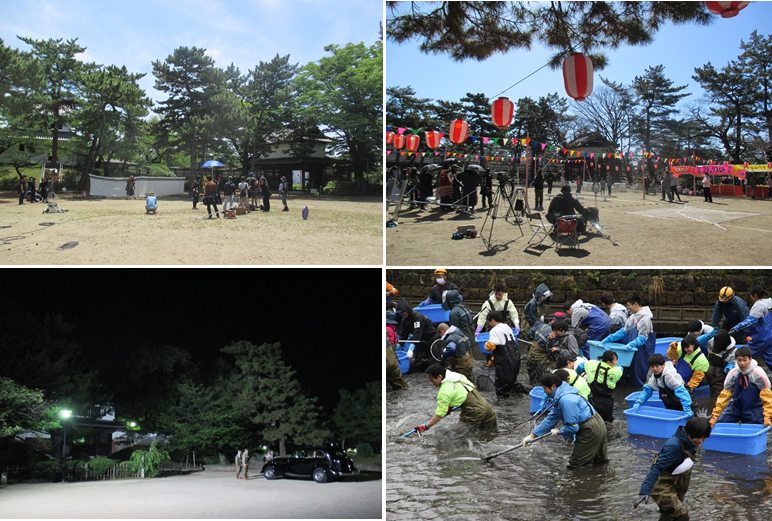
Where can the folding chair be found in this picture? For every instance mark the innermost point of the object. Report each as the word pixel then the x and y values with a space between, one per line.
pixel 565 233
pixel 540 229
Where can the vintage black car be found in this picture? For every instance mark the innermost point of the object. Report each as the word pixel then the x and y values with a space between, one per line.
pixel 321 464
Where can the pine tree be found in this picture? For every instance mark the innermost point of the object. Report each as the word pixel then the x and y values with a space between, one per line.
pixel 656 97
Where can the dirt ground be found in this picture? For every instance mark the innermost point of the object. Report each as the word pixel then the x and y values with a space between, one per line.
pixel 117 232
pixel 423 237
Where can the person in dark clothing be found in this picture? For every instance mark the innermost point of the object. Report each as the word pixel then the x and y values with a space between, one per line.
pixel 443 284
pixel 210 197
pixel 31 190
pixel 424 185
pixel 420 330
pixel 266 191
pixel 284 187
pixel 550 178
pixel 22 189
pixel 229 190
pixel 668 479
pixel 470 181
pixel 538 186
pixel 195 189
pixel 486 188
pixel 130 187
pixel 565 204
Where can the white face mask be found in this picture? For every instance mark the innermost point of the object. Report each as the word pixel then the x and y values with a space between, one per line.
pixel 440 281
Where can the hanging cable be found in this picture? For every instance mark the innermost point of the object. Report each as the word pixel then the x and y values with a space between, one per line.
pixel 519 82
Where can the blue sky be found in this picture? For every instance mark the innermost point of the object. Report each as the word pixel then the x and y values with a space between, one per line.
pixel 679 48
pixel 245 32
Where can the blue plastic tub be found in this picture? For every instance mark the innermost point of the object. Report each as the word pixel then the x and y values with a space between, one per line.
pixel 654 401
pixel 654 421
pixel 738 438
pixel 404 362
pixel 434 312
pixel 625 356
pixel 536 394
pixel 663 344
pixel 481 342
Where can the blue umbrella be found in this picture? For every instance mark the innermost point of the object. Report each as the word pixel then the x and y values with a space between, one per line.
pixel 211 164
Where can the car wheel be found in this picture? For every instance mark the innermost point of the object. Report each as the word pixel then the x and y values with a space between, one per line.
pixel 269 473
pixel 320 476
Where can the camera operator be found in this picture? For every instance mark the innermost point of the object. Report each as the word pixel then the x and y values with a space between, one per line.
pixel 565 204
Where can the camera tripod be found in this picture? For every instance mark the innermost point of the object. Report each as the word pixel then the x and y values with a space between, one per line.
pixel 518 207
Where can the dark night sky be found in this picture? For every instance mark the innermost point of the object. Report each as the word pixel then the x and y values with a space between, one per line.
pixel 329 328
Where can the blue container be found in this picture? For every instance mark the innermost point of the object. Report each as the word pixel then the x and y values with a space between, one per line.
pixel 481 342
pixel 654 401
pixel 738 438
pixel 434 312
pixel 624 355
pixel 536 394
pixel 655 422
pixel 702 391
pixel 404 362
pixel 663 344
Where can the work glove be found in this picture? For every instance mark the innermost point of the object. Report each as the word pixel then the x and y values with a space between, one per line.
pixel 478 331
pixel 641 499
pixel 632 345
pixel 636 405
pixel 409 355
pixel 712 422
pixel 528 439
pixel 555 432
pixel 421 304
pixel 421 428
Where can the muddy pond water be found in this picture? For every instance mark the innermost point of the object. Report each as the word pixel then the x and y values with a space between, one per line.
pixel 533 483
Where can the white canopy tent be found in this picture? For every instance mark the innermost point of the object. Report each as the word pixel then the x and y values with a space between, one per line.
pixel 116 186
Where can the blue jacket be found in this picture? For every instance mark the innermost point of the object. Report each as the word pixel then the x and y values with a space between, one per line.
pixel 671 455
pixel 533 305
pixel 569 407
pixel 735 312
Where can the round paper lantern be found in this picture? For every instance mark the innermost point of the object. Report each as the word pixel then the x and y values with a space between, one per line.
pixel 616 169
pixel 501 112
pixel 726 9
pixel 399 141
pixel 433 139
pixel 458 131
pixel 390 137
pixel 577 76
pixel 412 142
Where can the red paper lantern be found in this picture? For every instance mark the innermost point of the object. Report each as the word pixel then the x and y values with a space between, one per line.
pixel 501 112
pixel 412 142
pixel 399 141
pixel 390 137
pixel 577 76
pixel 458 131
pixel 726 9
pixel 616 168
pixel 433 139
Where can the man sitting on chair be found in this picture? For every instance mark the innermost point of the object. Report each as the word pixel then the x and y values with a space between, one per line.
pixel 565 204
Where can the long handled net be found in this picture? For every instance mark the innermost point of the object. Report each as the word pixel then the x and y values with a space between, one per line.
pixel 691 213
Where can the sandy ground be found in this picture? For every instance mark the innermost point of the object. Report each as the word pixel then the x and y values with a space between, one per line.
pixel 116 232
pixel 423 237
pixel 205 495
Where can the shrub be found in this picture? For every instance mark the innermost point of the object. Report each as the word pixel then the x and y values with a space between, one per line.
pixel 152 461
pixel 99 466
pixel 364 451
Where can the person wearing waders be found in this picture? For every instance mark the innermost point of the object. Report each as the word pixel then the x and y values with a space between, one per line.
pixel 689 361
pixel 638 333
pixel 602 377
pixel 459 316
pixel 498 301
pixel 575 379
pixel 457 349
pixel 721 359
pixel 456 391
pixel 580 423
pixel 393 374
pixel 561 342
pixel 590 318
pixel 541 297
pixel 729 311
pixel 506 356
pixel 746 396
pixel 419 330
pixel 668 479
pixel 666 380
pixel 758 325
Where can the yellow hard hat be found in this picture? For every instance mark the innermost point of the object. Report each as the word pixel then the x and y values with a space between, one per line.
pixel 440 271
pixel 725 294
